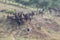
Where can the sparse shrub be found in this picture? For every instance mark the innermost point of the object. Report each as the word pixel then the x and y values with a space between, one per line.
pixel 11 12
pixel 7 11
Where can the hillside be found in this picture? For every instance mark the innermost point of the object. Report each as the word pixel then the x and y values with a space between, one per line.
pixel 41 28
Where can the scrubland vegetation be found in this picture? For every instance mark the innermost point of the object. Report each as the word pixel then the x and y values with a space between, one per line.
pixel 29 20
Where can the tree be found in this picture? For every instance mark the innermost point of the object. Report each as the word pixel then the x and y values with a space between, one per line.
pixel 44 4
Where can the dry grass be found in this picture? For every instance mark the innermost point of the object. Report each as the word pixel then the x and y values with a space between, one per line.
pixel 53 35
